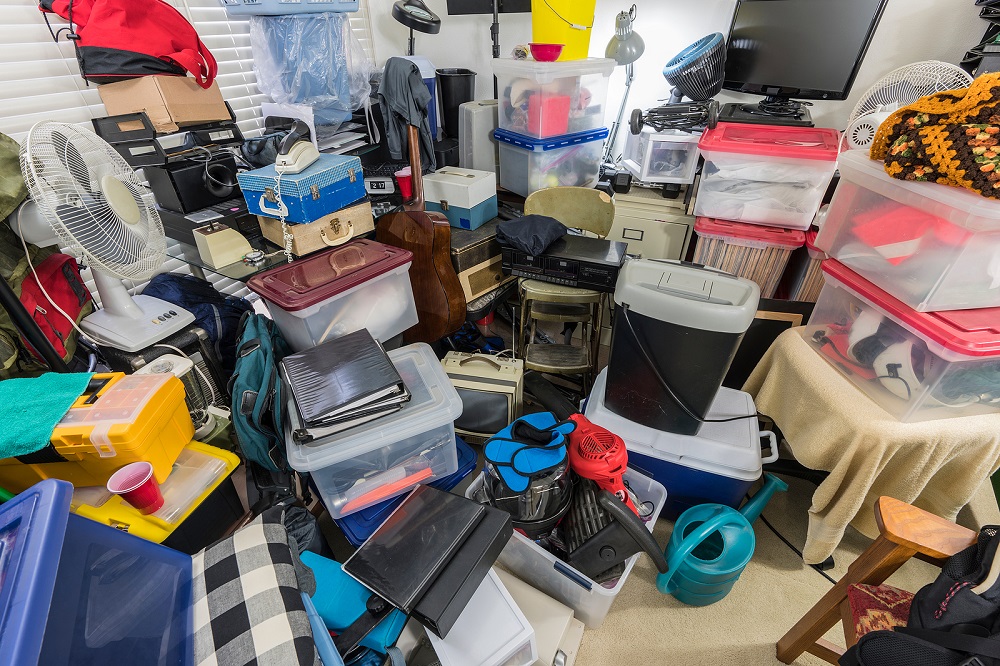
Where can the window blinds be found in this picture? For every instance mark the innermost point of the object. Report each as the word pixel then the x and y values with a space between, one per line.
pixel 40 80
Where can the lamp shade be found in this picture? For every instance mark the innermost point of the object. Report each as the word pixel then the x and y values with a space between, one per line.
pixel 414 14
pixel 626 46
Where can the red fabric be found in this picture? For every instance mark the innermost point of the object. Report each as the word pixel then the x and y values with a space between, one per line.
pixel 145 27
pixel 60 275
pixel 875 607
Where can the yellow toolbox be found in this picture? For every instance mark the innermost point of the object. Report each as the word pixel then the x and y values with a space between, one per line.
pixel 199 470
pixel 119 419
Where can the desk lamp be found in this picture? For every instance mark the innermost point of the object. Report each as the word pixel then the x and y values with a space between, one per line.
pixel 415 15
pixel 625 47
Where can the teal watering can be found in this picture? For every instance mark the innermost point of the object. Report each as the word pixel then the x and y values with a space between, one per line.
pixel 710 546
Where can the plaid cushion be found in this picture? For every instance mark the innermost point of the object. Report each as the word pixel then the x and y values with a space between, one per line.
pixel 247 608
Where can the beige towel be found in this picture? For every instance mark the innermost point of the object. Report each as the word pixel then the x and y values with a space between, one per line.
pixel 831 425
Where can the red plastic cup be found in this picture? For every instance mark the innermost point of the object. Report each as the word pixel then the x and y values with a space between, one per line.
pixel 137 486
pixel 405 179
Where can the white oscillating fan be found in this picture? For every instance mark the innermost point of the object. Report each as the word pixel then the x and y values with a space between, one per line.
pixel 99 210
pixel 896 89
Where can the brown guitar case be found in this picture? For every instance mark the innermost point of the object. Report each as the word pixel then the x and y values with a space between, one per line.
pixel 437 292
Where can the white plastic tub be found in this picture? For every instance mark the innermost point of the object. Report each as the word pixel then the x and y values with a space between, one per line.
pixel 362 284
pixel 765 174
pixel 544 571
pixel 372 462
pixel 931 246
pixel 547 99
pixel 661 157
pixel 528 165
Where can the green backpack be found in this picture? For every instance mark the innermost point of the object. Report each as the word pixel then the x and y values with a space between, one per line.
pixel 257 396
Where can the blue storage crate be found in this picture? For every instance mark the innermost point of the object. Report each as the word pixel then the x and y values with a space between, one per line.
pixel 282 7
pixel 73 591
pixel 357 527
pixel 329 184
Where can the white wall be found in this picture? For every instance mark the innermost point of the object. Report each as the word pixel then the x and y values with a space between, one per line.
pixel 910 30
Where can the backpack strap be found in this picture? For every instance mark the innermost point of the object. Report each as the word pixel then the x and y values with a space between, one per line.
pixel 965 643
pixel 201 64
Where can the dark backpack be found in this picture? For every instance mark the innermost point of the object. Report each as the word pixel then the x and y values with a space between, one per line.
pixel 257 395
pixel 949 624
pixel 117 40
pixel 218 314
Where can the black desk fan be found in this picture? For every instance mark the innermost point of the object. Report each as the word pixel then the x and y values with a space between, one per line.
pixel 697 73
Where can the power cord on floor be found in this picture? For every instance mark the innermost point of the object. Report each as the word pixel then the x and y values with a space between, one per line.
pixel 794 549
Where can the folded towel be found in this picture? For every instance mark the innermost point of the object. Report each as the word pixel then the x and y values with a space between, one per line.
pixel 34 406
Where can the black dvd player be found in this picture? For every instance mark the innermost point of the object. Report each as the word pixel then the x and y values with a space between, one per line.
pixel 575 261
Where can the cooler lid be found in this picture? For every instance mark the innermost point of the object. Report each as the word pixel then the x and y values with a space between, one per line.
pixel 547 72
pixel 688 295
pixel 955 204
pixel 32 530
pixel 318 277
pixel 786 238
pixel 807 143
pixel 552 142
pixel 730 449
pixel 968 332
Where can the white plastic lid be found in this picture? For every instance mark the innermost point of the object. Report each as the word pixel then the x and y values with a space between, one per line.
pixel 547 72
pixel 433 403
pixel 959 206
pixel 730 449
pixel 688 295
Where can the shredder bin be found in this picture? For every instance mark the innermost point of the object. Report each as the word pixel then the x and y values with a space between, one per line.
pixel 688 321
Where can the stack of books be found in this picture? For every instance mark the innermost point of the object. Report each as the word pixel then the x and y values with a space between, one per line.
pixel 341 384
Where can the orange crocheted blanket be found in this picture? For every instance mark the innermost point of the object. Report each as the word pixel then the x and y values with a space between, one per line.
pixel 951 137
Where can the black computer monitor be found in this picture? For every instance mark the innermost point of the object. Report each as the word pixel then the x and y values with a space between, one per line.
pixel 806 49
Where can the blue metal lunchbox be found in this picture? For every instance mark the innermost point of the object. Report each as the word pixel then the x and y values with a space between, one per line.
pixel 330 183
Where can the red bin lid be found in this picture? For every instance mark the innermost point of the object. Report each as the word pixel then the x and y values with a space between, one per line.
pixel 807 143
pixel 967 332
pixel 318 277
pixel 778 236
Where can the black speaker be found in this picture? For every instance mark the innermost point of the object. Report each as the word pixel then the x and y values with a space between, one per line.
pixel 189 185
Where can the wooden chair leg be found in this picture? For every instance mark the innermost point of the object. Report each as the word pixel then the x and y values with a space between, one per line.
pixel 847 619
pixel 873 566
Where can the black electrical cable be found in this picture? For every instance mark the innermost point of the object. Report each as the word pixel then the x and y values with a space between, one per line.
pixel 663 382
pixel 794 549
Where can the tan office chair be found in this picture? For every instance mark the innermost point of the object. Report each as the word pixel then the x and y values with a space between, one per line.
pixel 904 532
pixel 591 211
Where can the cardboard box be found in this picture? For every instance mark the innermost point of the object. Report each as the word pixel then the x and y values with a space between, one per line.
pixel 171 102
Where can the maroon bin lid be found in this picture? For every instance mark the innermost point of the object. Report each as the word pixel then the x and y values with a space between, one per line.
pixel 318 277
pixel 968 332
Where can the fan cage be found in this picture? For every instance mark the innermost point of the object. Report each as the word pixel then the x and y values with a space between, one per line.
pixel 905 85
pixel 64 167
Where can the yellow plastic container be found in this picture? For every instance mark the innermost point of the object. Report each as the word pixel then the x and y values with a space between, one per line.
pixel 133 418
pixel 199 470
pixel 566 22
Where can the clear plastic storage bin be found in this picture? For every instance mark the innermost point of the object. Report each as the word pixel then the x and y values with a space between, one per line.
pixel 746 250
pixel 544 571
pixel 362 284
pixel 765 174
pixel 378 460
pixel 805 271
pixel 918 366
pixel 547 99
pixel 932 246
pixel 528 165
pixel 661 157
pixel 282 7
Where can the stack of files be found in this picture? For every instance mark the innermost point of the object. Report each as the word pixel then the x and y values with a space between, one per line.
pixel 341 384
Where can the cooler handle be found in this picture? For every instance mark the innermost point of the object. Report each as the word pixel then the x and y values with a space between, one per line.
pixel 773 456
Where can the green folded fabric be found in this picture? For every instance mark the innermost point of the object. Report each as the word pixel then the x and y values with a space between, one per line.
pixel 34 406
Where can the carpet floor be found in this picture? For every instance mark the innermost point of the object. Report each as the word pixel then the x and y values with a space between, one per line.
pixel 775 590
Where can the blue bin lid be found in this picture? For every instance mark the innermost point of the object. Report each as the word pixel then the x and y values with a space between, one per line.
pixel 552 142
pixel 32 530
pixel 357 527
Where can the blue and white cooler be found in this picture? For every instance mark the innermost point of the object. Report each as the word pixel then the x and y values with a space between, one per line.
pixel 330 183
pixel 467 197
pixel 718 465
